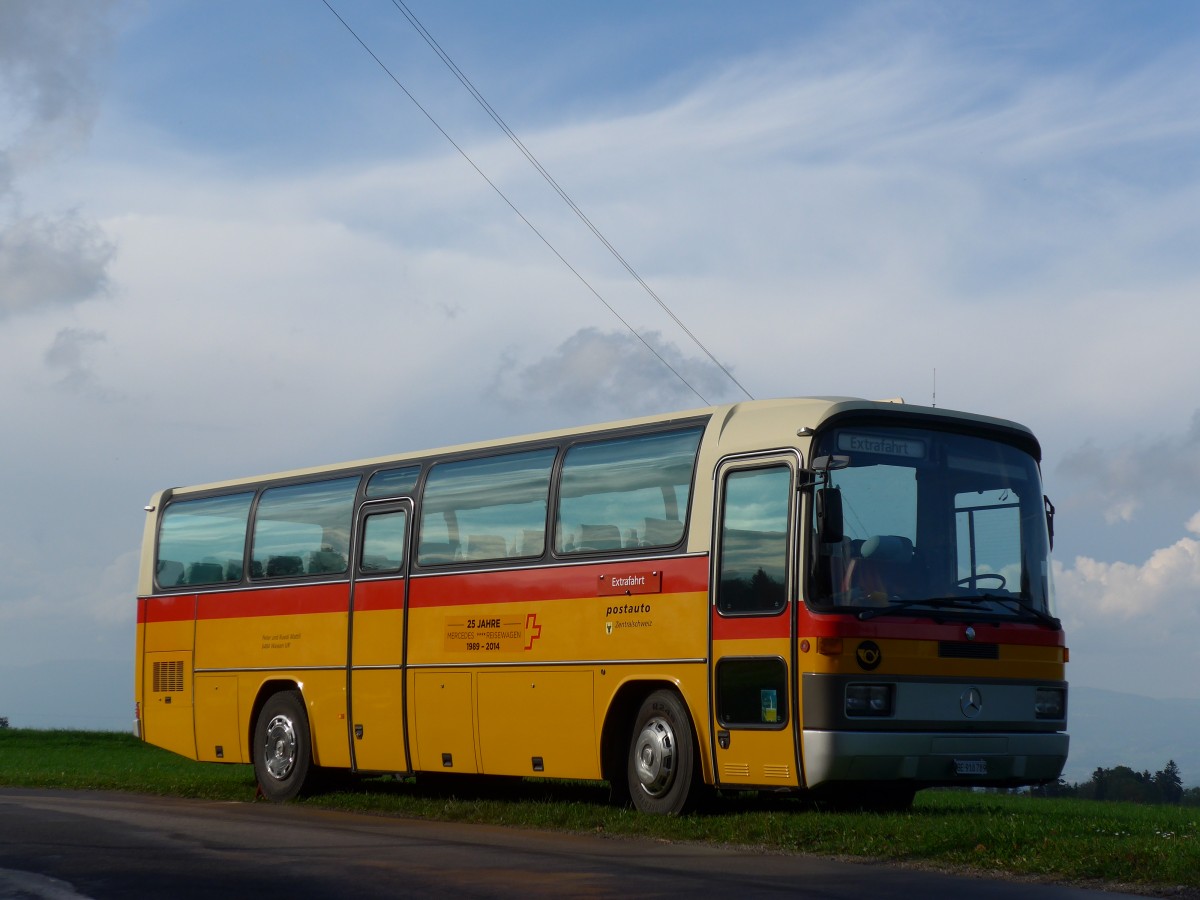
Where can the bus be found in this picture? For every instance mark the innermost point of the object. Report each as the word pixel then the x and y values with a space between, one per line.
pixel 845 599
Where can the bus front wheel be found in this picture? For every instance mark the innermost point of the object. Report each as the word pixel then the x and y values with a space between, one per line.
pixel 282 747
pixel 661 762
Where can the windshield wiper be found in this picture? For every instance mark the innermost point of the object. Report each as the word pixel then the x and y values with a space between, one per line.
pixel 894 608
pixel 1016 605
pixel 972 602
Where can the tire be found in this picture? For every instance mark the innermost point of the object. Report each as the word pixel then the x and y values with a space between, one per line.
pixel 282 747
pixel 661 763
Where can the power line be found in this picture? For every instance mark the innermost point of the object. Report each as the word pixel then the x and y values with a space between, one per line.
pixel 533 161
pixel 517 211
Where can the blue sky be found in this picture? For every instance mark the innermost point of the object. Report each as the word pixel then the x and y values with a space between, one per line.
pixel 229 244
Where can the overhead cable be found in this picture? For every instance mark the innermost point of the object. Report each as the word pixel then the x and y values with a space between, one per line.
pixel 625 323
pixel 533 161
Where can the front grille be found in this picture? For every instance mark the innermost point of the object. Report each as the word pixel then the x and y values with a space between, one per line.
pixel 967 650
pixel 168 676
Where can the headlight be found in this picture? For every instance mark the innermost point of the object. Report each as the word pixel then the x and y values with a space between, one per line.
pixel 1050 703
pixel 869 699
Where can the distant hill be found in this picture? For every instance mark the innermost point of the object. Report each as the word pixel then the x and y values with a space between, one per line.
pixel 1107 728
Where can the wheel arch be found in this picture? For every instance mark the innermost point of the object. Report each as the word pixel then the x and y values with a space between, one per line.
pixel 617 730
pixel 266 691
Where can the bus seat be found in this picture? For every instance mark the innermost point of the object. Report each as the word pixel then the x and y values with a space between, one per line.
pixel 434 553
pixel 170 572
pixel 662 532
pixel 485 546
pixel 205 573
pixel 533 542
pixel 326 562
pixel 283 566
pixel 882 569
pixel 888 548
pixel 599 537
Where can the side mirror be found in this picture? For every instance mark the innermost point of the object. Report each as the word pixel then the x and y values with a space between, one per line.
pixel 828 463
pixel 1049 519
pixel 830 526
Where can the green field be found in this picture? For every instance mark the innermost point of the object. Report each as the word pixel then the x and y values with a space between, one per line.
pixel 1139 848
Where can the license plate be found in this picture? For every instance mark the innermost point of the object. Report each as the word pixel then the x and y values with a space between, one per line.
pixel 970 767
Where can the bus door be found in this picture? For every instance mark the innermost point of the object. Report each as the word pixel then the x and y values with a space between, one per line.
pixel 378 609
pixel 753 703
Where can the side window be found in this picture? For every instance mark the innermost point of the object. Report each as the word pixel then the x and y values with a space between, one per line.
pixel 752 692
pixel 752 566
pixel 393 483
pixel 303 529
pixel 625 494
pixel 486 509
pixel 383 542
pixel 202 541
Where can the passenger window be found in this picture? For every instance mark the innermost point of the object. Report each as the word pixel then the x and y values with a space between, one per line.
pixel 303 529
pixel 383 542
pixel 202 541
pixel 626 494
pixel 752 566
pixel 486 509
pixel 393 483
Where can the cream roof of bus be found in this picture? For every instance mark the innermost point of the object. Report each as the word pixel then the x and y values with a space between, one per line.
pixel 733 428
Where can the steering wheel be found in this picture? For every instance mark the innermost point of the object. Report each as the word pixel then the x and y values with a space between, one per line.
pixel 972 581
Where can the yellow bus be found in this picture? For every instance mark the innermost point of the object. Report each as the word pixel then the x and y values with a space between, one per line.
pixel 830 596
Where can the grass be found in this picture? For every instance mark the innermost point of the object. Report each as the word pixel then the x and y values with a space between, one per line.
pixel 1145 848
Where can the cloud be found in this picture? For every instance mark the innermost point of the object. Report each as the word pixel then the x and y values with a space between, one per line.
pixel 108 601
pixel 49 51
pixel 1161 591
pixel 1123 479
pixel 69 353
pixel 1131 626
pixel 47 261
pixel 611 373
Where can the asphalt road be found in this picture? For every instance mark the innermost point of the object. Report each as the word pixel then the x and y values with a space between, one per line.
pixel 62 845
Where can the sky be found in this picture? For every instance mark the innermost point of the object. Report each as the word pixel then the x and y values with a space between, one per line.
pixel 232 243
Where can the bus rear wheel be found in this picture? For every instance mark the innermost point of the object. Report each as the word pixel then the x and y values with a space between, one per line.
pixel 661 764
pixel 282 746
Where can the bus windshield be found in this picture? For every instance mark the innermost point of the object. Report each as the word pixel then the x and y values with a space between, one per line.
pixel 930 523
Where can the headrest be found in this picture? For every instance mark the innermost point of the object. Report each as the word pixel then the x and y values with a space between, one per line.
pixel 887 548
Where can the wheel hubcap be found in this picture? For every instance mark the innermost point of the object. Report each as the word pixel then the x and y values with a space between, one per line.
pixel 654 758
pixel 279 753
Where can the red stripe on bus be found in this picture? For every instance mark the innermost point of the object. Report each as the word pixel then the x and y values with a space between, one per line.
pixel 282 601
pixel 678 576
pixel 374 596
pixel 725 628
pixel 847 625
pixel 173 608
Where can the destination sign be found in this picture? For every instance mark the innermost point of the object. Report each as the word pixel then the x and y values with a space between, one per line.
pixel 883 444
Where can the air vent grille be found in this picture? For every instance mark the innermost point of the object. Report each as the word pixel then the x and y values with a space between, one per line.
pixel 168 676
pixel 967 650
